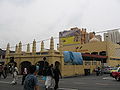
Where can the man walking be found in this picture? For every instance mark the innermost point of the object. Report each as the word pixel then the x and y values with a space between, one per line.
pixel 57 74
pixel 31 81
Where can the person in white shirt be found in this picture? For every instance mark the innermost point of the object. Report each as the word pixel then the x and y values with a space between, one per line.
pixel 25 72
pixel 15 73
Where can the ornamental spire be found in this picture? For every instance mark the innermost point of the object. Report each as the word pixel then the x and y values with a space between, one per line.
pixel 42 46
pixel 28 48
pixel 34 47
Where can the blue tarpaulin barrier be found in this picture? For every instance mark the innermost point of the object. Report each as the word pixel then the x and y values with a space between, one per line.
pixel 67 57
pixel 73 57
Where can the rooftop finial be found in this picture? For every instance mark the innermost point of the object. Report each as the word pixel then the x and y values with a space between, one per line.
pixel 34 47
pixel 42 46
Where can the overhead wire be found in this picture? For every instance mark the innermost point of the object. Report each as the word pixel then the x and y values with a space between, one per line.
pixel 58 37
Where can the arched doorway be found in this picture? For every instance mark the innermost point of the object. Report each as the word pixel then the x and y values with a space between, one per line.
pixel 23 65
pixel 42 65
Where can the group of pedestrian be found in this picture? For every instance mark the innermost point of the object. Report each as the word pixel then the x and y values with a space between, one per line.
pixel 29 79
pixel 98 71
pixel 52 77
pixel 51 74
pixel 5 70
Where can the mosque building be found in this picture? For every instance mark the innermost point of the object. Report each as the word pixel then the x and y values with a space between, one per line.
pixel 87 47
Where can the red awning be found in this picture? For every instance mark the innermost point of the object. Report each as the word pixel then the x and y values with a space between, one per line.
pixel 94 56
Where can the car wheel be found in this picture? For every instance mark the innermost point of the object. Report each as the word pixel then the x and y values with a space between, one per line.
pixel 117 78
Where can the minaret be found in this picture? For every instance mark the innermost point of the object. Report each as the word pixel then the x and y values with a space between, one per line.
pixel 28 48
pixel 51 46
pixel 42 46
pixel 8 49
pixel 20 47
pixel 34 47
pixel 16 49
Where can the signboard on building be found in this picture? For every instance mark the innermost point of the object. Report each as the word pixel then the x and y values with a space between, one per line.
pixel 72 36
pixel 70 40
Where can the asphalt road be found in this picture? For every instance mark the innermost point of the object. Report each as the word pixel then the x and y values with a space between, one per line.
pixel 92 82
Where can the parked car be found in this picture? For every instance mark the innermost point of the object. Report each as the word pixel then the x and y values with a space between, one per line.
pixel 115 69
pixel 106 70
pixel 116 75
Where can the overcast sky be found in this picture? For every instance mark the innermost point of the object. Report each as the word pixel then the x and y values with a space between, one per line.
pixel 26 20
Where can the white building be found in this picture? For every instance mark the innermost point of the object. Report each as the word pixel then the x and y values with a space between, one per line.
pixel 113 36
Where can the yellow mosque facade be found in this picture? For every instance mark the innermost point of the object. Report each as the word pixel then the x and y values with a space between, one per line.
pixel 95 53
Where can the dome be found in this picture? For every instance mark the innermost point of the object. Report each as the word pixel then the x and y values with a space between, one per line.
pixel 94 40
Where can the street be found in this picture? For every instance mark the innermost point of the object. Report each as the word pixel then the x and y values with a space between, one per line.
pixel 92 82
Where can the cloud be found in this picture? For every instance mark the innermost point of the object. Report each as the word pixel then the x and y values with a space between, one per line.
pixel 25 20
pixel 102 15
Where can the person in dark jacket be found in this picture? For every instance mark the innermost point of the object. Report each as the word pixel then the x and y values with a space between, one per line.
pixel 31 81
pixel 57 75
pixel 1 71
pixel 5 70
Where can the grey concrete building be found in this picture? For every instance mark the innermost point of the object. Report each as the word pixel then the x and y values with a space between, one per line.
pixel 113 36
